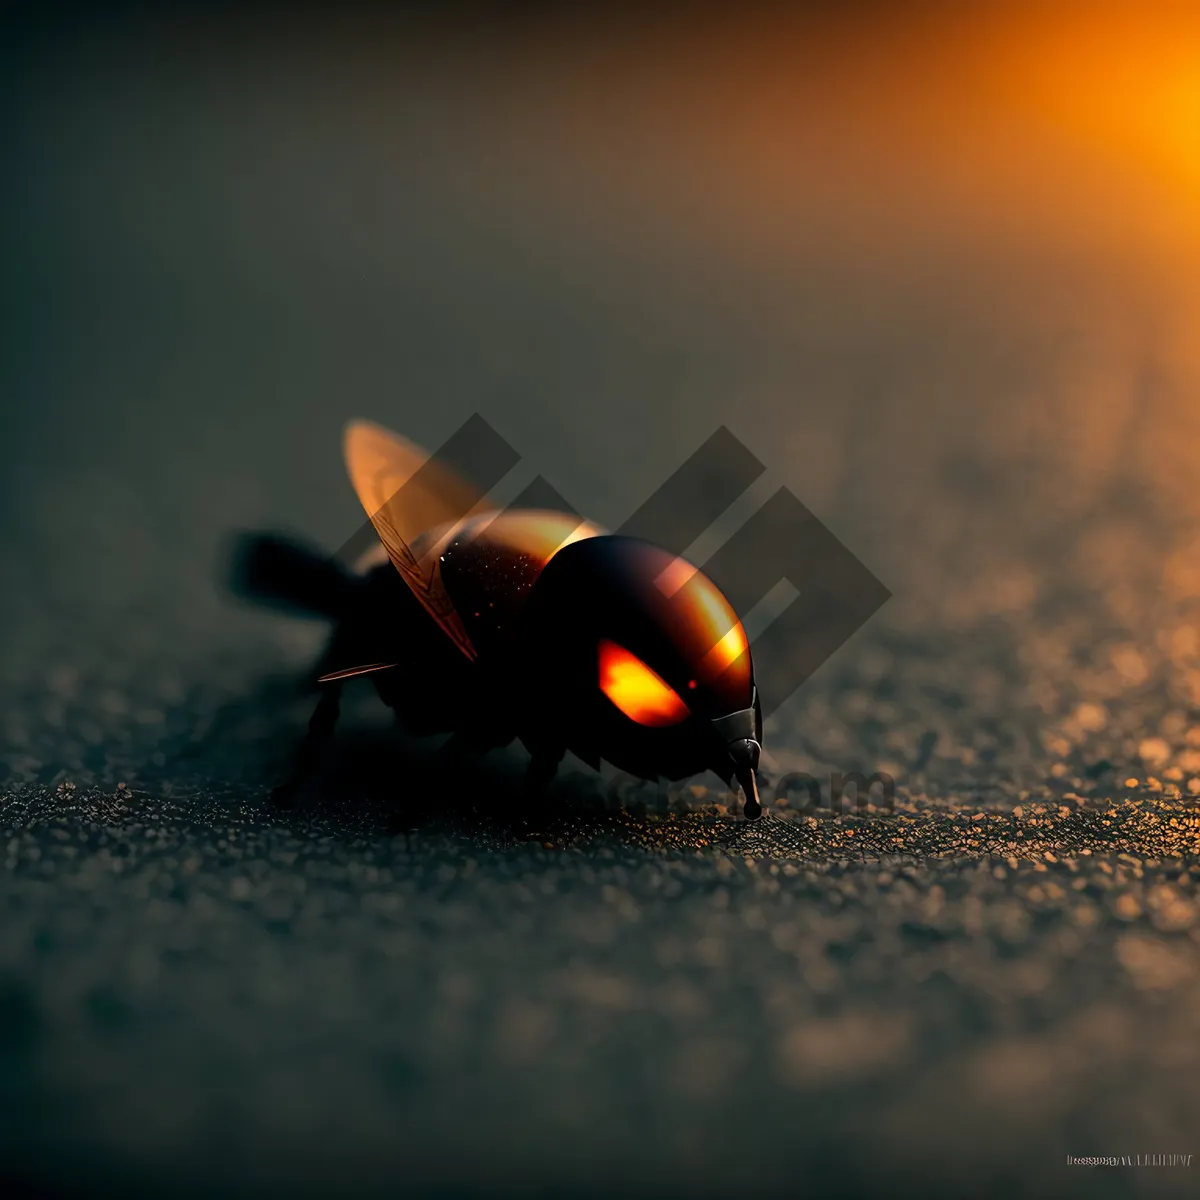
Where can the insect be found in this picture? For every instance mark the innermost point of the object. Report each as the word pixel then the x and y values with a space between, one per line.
pixel 517 624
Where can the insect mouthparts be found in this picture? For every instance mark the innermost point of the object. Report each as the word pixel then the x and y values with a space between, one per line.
pixel 745 754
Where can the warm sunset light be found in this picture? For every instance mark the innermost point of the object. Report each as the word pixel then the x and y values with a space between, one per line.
pixel 1120 87
pixel 640 693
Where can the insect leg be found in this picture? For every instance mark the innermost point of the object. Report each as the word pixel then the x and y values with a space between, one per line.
pixel 320 726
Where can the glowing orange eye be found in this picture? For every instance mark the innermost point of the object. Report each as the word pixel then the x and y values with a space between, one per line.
pixel 640 693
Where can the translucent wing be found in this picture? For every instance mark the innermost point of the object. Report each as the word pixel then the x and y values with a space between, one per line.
pixel 348 672
pixel 406 492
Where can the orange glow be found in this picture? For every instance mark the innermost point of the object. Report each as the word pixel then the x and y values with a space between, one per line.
pixel 675 576
pixel 725 653
pixel 720 622
pixel 1123 85
pixel 703 606
pixel 760 129
pixel 539 533
pixel 640 693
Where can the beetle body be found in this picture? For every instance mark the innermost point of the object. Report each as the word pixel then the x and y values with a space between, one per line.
pixel 520 624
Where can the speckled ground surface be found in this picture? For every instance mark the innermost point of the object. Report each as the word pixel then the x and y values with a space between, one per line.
pixel 199 993
pixel 408 985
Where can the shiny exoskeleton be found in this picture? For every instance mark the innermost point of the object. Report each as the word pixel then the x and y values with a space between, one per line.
pixel 523 624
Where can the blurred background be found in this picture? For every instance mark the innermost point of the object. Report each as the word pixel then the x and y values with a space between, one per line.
pixel 937 266
pixel 937 269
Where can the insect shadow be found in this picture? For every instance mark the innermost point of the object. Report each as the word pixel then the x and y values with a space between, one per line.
pixel 375 775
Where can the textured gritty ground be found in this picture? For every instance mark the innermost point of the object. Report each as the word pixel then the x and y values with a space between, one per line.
pixel 406 986
pixel 199 992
